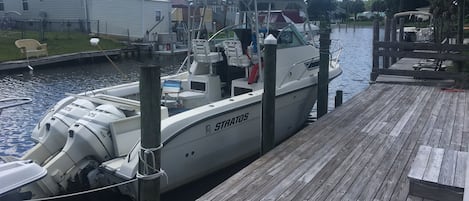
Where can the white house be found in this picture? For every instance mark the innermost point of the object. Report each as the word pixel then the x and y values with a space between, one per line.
pixel 48 9
pixel 132 18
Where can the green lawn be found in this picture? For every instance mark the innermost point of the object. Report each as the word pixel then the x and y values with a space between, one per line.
pixel 57 43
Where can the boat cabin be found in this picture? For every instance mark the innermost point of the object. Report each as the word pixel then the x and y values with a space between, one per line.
pixel 224 68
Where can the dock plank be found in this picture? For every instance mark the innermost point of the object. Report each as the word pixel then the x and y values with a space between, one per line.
pixel 445 140
pixel 332 181
pixel 396 185
pixel 330 150
pixel 459 177
pixel 456 139
pixel 437 131
pixel 362 150
pixel 420 162
pixel 448 168
pixel 362 182
pixel 350 173
pixel 261 165
pixel 389 171
pixel 432 172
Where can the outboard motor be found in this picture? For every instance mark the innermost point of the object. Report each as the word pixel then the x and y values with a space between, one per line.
pixel 52 135
pixel 89 143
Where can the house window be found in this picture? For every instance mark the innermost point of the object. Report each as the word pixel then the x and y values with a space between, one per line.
pixel 157 15
pixel 25 5
pixel 2 6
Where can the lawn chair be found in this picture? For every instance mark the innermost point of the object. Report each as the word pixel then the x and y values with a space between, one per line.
pixel 32 48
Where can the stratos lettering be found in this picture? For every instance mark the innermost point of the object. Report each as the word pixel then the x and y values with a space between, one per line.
pixel 230 122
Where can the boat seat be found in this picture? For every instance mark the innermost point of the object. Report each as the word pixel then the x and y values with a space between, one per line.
pixel 191 95
pixel 170 92
pixel 202 52
pixel 234 54
pixel 192 99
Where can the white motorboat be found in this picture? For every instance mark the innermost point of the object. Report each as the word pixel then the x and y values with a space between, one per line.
pixel 414 33
pixel 16 174
pixel 210 116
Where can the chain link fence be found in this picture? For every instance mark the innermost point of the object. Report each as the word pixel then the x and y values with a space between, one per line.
pixel 47 27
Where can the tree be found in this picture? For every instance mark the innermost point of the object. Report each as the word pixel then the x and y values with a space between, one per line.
pixel 445 14
pixel 378 6
pixel 394 6
pixel 319 9
pixel 353 7
pixel 357 7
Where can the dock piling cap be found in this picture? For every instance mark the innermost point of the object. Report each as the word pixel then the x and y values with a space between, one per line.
pixel 270 40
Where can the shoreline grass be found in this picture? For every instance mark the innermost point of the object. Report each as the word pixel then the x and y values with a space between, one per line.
pixel 57 43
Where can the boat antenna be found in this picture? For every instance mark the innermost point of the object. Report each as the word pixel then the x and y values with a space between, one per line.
pixel 268 18
pixel 310 31
pixel 258 48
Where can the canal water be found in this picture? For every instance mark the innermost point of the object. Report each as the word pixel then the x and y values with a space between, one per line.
pixel 46 86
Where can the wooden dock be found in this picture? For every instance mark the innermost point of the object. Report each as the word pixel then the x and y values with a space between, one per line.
pixel 18 64
pixel 363 150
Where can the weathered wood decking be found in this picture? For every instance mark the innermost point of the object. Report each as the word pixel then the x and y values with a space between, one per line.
pixel 438 174
pixel 361 151
pixel 41 61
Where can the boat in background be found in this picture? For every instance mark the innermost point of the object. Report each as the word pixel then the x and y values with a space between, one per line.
pixel 210 115
pixel 414 33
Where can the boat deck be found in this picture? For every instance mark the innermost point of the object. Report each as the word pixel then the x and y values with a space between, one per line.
pixel 363 150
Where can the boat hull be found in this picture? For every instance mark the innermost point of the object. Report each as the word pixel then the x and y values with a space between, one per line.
pixel 228 135
pixel 231 136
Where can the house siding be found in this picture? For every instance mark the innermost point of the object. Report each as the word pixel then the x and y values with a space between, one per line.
pixel 123 17
pixel 11 6
pixel 54 9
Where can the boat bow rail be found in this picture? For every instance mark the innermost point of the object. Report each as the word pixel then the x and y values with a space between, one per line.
pixel 298 69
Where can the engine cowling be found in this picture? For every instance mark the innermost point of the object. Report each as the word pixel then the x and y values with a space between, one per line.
pixel 52 135
pixel 91 134
pixel 89 138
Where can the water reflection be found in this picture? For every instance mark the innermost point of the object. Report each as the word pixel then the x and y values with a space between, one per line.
pixel 355 61
pixel 47 86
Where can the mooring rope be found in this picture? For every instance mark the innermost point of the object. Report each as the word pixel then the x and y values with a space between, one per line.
pixel 83 192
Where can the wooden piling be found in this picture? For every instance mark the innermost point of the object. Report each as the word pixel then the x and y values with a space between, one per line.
pixel 393 38
pixel 375 67
pixel 387 37
pixel 401 29
pixel 323 75
pixel 268 97
pixel 338 98
pixel 150 100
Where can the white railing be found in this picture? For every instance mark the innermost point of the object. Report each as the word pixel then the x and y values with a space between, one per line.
pixel 334 54
pixel 294 66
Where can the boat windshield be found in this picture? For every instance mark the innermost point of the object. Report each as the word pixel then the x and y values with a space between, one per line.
pixel 289 37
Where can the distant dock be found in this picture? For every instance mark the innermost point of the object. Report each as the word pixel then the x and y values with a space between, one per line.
pixel 19 64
